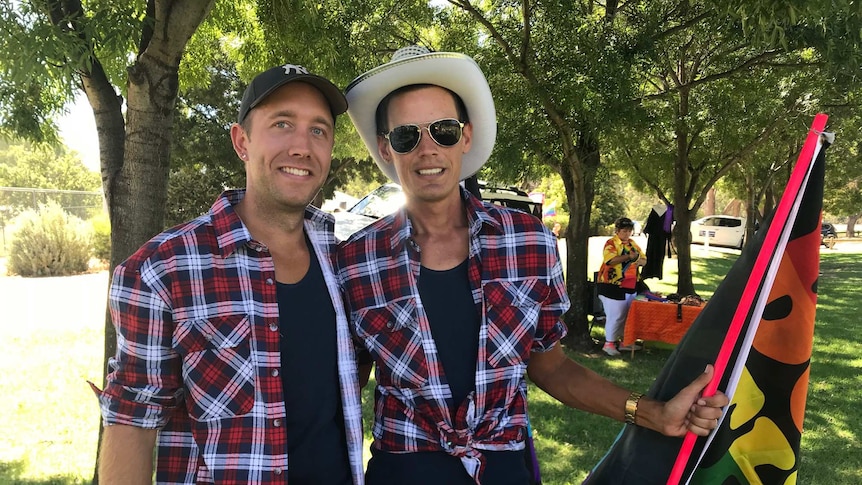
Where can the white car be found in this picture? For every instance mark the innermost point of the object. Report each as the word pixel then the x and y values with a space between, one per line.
pixel 380 202
pixel 388 198
pixel 719 230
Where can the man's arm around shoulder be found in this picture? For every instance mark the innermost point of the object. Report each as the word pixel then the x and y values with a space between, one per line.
pixel 126 456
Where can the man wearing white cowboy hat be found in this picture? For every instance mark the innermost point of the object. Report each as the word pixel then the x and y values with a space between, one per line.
pixel 456 299
pixel 234 359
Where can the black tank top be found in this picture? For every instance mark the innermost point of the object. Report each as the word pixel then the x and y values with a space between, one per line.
pixel 448 302
pixel 316 442
pixel 454 320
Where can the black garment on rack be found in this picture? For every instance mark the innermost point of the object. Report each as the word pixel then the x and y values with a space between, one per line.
pixel 658 243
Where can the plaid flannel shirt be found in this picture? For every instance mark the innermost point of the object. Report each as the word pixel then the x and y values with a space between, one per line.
pixel 517 282
pixel 198 351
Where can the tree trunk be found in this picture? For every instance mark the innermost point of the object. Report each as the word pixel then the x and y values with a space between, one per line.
pixel 769 199
pixel 110 129
pixel 135 155
pixel 682 197
pixel 578 177
pixel 709 205
pixel 851 225
pixel 682 240
pixel 750 208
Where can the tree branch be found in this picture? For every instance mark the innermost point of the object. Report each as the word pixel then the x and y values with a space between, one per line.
pixel 525 40
pixel 754 61
pixel 147 30
pixel 731 159
pixel 682 26
pixel 522 66
pixel 640 173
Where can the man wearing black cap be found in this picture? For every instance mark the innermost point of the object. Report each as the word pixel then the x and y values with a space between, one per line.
pixel 233 354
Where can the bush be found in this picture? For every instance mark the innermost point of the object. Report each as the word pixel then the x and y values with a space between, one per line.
pixel 49 242
pixel 101 236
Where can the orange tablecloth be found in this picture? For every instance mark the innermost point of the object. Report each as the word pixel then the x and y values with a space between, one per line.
pixel 653 320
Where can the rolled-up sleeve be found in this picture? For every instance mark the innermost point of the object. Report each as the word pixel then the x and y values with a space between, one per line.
pixel 143 383
pixel 550 328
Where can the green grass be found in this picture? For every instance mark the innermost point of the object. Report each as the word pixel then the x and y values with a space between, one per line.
pixel 50 345
pixel 49 418
pixel 571 442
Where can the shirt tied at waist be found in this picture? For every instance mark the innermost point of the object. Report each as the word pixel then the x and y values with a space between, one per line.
pixel 459 443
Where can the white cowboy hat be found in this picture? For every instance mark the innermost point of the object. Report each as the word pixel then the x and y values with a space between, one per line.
pixel 417 65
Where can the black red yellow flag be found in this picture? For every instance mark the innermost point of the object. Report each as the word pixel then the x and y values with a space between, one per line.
pixel 758 330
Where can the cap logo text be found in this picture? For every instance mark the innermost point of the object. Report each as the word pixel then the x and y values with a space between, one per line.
pixel 291 69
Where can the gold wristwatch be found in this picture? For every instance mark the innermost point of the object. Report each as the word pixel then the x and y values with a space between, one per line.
pixel 632 407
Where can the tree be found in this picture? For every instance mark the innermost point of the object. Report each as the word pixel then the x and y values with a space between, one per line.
pixel 120 54
pixel 713 97
pixel 571 79
pixel 760 178
pixel 609 203
pixel 843 192
pixel 203 162
pixel 25 165
pixel 561 74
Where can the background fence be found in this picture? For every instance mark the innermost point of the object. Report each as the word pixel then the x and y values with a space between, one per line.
pixel 15 200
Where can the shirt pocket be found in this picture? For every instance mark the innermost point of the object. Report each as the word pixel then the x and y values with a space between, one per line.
pixel 217 368
pixel 511 313
pixel 391 333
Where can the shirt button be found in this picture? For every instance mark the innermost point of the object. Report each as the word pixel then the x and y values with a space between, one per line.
pixel 274 373
pixel 276 423
pixel 273 327
pixel 277 471
pixel 269 281
pixel 389 324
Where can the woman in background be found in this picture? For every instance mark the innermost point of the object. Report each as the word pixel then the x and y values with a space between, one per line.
pixel 617 280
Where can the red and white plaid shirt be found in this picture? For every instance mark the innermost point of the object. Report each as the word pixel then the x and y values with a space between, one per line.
pixel 198 351
pixel 517 285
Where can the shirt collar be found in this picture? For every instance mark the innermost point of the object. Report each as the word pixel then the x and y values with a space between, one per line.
pixel 230 231
pixel 479 216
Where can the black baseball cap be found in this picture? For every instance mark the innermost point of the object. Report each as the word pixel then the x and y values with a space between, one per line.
pixel 268 81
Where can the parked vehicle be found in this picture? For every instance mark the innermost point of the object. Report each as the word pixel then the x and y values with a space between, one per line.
pixel 720 230
pixel 828 235
pixel 387 198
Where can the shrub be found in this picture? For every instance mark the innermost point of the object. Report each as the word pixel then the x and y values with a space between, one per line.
pixel 49 242
pixel 101 236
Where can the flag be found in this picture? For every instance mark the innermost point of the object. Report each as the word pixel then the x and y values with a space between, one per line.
pixel 761 352
pixel 550 210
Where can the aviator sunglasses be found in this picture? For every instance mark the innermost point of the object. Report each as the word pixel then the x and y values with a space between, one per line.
pixel 445 132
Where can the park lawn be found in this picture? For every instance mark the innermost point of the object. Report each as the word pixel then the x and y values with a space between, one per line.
pixel 49 416
pixel 831 448
pixel 50 423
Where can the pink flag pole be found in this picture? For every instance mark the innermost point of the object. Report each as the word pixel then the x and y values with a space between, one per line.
pixel 750 292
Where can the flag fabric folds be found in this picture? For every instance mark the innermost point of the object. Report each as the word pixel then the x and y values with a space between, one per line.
pixel 550 210
pixel 761 352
